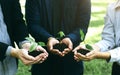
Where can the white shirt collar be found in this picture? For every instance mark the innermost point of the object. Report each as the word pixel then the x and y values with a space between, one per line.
pixel 117 4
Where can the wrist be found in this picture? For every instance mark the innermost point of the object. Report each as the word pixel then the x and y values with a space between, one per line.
pixel 14 52
pixel 103 55
pixel 8 51
pixel 26 46
pixel 96 48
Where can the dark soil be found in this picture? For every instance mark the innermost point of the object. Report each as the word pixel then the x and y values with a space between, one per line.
pixel 34 53
pixel 83 51
pixel 60 46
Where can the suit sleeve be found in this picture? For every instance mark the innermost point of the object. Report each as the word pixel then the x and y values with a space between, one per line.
pixel 33 20
pixel 3 48
pixel 19 28
pixel 84 9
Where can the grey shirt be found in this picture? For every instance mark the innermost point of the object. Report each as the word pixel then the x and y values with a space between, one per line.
pixel 8 66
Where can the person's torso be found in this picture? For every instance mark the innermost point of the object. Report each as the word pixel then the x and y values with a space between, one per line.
pixel 59 15
pixel 115 18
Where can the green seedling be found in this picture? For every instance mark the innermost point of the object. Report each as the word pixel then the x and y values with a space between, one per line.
pixel 60 46
pixel 88 47
pixel 82 38
pixel 60 35
pixel 33 46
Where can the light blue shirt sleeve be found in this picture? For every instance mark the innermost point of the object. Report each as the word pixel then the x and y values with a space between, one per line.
pixel 8 52
pixel 115 55
pixel 10 47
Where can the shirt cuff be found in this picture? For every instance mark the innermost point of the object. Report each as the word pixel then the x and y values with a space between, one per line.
pixel 22 42
pixel 8 52
pixel 115 56
pixel 103 47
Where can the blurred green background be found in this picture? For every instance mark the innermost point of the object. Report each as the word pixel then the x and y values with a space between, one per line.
pixel 94 67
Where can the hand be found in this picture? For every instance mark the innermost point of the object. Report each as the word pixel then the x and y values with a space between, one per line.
pixel 22 54
pixel 26 46
pixel 89 56
pixel 51 42
pixel 69 44
pixel 43 56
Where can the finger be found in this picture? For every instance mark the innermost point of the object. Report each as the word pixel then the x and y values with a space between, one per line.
pixel 77 59
pixel 24 54
pixel 77 48
pixel 44 57
pixel 50 46
pixel 16 46
pixel 70 46
pixel 81 57
pixel 39 48
pixel 90 53
pixel 57 52
pixel 75 52
pixel 40 62
pixel 27 62
pixel 67 50
pixel 38 59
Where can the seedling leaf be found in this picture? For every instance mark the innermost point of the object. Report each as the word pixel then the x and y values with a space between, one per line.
pixel 29 39
pixel 41 43
pixel 33 46
pixel 61 34
pixel 82 35
pixel 88 46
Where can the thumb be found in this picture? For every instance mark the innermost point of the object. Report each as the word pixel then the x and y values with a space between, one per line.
pixel 27 56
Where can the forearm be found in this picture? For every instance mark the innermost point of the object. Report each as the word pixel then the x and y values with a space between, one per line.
pixel 99 54
pixel 103 55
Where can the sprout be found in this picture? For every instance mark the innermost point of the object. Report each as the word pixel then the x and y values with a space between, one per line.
pixel 33 43
pixel 82 38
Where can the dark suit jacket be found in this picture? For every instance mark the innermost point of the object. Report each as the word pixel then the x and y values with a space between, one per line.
pixel 46 18
pixel 13 19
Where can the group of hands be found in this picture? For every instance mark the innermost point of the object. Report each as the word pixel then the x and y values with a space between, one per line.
pixel 27 59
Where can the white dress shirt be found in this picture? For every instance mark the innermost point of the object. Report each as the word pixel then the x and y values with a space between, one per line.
pixel 111 32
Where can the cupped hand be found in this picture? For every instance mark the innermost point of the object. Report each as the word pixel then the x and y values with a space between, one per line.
pixel 43 56
pixel 51 42
pixel 69 44
pixel 87 57
pixel 22 54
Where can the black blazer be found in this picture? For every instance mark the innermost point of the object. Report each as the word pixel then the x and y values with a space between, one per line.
pixel 13 19
pixel 45 18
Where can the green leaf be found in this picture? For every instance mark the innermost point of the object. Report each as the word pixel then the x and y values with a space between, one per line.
pixel 30 39
pixel 88 47
pixel 61 34
pixel 33 46
pixel 41 43
pixel 82 35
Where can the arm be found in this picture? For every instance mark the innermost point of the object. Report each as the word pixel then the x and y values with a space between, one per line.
pixel 108 33
pixel 94 54
pixel 83 18
pixel 16 26
pixel 33 18
pixel 19 29
pixel 3 48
